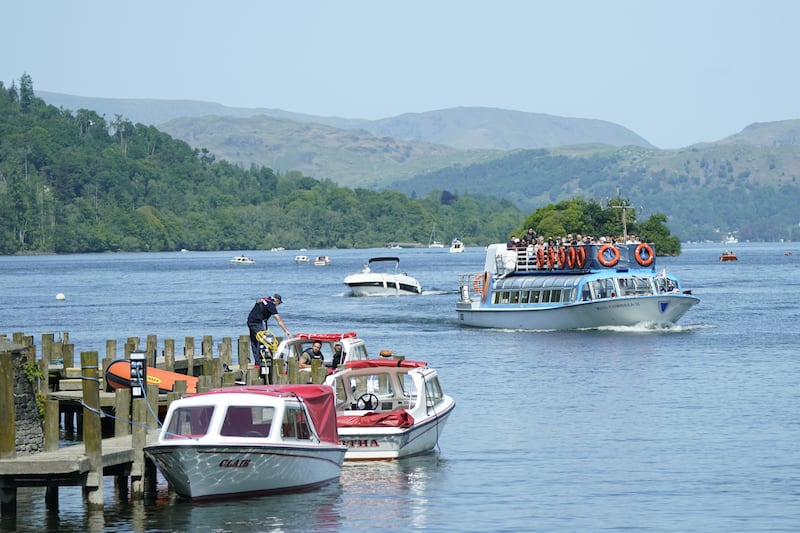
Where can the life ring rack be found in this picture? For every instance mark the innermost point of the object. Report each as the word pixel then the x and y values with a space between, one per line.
pixel 644 254
pixel 481 284
pixel 601 257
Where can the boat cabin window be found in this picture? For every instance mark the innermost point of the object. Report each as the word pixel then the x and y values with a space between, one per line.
pixel 247 421
pixel 295 424
pixel 433 391
pixel 357 352
pixel 190 422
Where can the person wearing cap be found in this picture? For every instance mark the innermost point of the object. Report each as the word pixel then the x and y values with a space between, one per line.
pixel 263 309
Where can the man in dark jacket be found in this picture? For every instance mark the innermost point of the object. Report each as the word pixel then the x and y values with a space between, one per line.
pixel 257 321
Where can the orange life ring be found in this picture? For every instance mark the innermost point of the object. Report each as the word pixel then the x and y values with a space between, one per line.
pixel 601 255
pixel 562 257
pixel 646 260
pixel 580 257
pixel 540 258
pixel 481 284
pixel 551 257
pixel 571 257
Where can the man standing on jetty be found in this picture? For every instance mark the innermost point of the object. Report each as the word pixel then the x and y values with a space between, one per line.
pixel 257 321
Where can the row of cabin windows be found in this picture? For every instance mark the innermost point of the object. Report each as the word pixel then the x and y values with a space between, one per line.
pixel 533 296
pixel 593 290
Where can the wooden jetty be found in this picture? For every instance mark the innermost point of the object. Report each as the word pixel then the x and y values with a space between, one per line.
pixel 75 396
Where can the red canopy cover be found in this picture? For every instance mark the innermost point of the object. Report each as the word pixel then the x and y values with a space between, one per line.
pixel 398 418
pixel 318 399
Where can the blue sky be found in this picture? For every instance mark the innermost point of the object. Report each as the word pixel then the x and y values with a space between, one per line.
pixel 675 72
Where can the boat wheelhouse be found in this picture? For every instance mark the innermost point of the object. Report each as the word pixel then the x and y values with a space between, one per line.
pixel 570 287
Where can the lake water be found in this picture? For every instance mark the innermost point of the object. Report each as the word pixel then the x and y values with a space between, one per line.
pixel 692 428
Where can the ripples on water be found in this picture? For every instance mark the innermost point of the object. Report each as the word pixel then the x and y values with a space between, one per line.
pixel 692 427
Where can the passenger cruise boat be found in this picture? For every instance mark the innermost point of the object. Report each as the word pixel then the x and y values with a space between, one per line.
pixel 242 441
pixel 570 287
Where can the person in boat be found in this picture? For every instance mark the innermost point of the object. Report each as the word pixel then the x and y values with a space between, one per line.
pixel 365 269
pixel 263 309
pixel 308 355
pixel 529 237
pixel 338 355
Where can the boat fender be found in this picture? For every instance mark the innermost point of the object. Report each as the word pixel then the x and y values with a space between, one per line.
pixel 580 257
pixel 644 254
pixel 601 258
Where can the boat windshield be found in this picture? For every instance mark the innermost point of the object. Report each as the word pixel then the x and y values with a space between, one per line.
pixel 247 421
pixel 189 422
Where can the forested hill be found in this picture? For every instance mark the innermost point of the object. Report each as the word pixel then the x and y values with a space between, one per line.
pixel 72 181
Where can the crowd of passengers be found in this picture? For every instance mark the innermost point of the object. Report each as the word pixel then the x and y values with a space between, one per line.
pixel 531 239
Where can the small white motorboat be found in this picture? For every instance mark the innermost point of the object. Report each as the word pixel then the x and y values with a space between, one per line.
pixel 241 441
pixel 242 260
pixel 389 408
pixel 299 259
pixel 382 282
pixel 456 246
pixel 322 260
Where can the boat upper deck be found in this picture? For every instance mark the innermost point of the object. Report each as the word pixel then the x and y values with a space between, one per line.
pixel 568 259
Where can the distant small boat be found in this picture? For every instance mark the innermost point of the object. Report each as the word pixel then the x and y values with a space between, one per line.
pixel 787 253
pixel 278 249
pixel 456 246
pixel 322 260
pixel 301 259
pixel 728 255
pixel 242 260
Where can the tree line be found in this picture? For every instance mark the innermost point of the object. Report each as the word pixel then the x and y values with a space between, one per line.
pixel 75 182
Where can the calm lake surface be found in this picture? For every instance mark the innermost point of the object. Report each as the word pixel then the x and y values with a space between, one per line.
pixel 692 428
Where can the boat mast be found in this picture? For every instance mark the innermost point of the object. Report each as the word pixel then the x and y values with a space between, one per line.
pixel 622 205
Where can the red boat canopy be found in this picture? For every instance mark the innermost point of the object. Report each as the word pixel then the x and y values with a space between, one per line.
pixel 326 336
pixel 318 399
pixel 382 363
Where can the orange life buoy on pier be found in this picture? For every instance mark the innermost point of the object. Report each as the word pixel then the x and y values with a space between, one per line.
pixel 644 254
pixel 601 255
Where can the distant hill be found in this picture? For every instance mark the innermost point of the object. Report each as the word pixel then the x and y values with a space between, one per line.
pixel 480 128
pixel 767 134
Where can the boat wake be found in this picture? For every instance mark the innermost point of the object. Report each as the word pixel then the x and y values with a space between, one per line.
pixel 651 327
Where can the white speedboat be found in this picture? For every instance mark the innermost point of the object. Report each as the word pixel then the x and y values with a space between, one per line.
pixel 456 246
pixel 299 259
pixel 570 287
pixel 242 260
pixel 389 408
pixel 240 441
pixel 381 277
pixel 322 260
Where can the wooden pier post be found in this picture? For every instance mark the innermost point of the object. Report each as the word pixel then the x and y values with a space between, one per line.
pixel 151 350
pixel 188 353
pixel 138 441
pixel 51 423
pixel 92 430
pixel 244 352
pixel 208 347
pixel 169 354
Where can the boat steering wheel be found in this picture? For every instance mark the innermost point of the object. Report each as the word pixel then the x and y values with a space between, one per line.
pixel 367 401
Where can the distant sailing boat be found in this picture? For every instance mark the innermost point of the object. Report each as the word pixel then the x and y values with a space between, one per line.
pixel 433 243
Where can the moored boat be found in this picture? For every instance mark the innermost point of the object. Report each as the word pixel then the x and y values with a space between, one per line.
pixel 118 376
pixel 570 287
pixel 241 441
pixel 322 260
pixel 389 408
pixel 382 281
